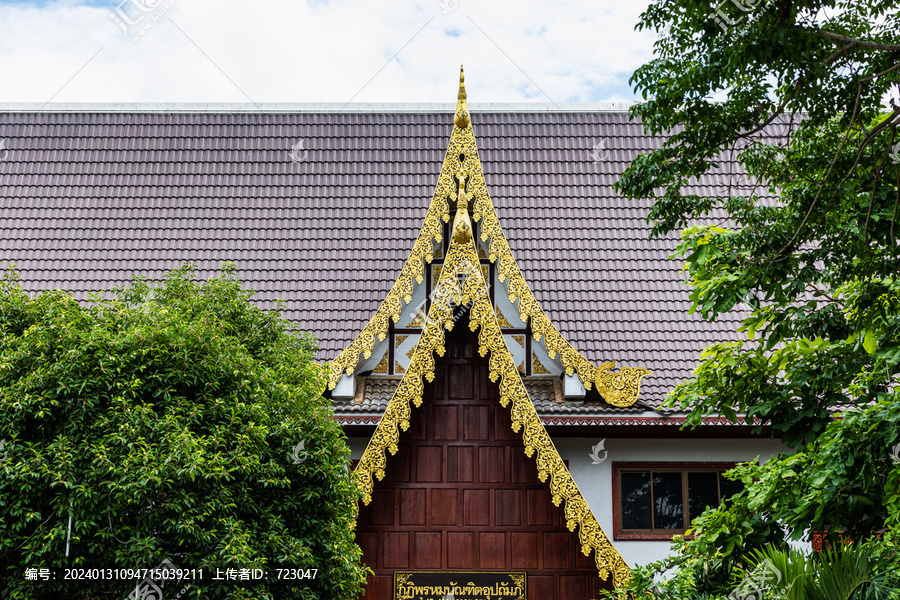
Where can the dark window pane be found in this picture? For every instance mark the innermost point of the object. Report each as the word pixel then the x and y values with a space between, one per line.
pixel 728 487
pixel 702 492
pixel 636 501
pixel 668 512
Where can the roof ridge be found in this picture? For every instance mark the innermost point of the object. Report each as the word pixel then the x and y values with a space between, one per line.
pixel 311 107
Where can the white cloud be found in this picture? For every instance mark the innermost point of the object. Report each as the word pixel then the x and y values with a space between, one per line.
pixel 288 51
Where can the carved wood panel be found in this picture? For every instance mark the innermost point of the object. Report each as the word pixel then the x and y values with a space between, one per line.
pixel 461 495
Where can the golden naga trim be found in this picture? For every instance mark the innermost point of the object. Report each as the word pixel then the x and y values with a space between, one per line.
pixel 462 259
pixel 414 268
pixel 619 389
pixel 541 326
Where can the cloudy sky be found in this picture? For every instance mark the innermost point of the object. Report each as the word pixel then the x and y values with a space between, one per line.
pixel 318 50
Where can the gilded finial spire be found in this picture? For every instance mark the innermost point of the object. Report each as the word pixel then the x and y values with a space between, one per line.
pixel 462 108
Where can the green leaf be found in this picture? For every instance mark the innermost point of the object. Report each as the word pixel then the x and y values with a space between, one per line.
pixel 869 342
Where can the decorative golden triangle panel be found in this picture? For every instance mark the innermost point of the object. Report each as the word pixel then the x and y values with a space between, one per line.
pixel 462 165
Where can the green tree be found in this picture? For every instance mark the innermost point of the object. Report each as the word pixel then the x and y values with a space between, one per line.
pixel 802 98
pixel 178 423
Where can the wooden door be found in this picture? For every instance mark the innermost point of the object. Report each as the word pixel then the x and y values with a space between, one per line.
pixel 460 494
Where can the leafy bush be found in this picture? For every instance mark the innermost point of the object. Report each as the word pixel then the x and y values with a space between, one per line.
pixel 175 422
pixel 858 571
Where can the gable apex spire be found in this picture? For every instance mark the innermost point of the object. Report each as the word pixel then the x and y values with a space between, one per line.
pixel 462 108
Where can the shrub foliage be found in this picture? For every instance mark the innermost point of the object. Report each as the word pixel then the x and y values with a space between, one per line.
pixel 174 422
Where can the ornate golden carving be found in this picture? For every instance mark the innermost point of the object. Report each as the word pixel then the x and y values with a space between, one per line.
pixel 519 580
pixel 462 108
pixel 399 339
pixel 507 268
pixel 418 319
pixel 462 225
pixel 413 270
pixel 537 442
pixel 622 388
pixel 504 322
pixel 398 368
pixel 382 366
pixel 520 339
pixel 536 366
pixel 462 145
pixel 396 415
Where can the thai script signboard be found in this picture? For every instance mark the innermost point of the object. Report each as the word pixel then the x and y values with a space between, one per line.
pixel 460 585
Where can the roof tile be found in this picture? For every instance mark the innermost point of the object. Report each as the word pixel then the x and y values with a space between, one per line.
pixel 88 199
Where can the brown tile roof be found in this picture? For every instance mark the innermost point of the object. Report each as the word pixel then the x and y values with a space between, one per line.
pixel 88 199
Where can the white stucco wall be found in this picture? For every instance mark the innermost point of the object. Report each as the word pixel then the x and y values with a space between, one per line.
pixel 595 481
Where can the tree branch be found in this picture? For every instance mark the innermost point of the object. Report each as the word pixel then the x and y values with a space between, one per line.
pixel 821 293
pixel 827 174
pixel 888 122
pixel 870 135
pixel 778 111
pixel 837 53
pixel 877 75
pixel 836 37
pixel 875 177
pixel 897 198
